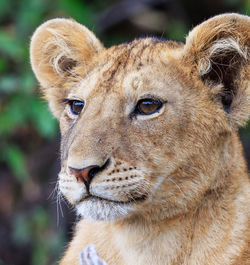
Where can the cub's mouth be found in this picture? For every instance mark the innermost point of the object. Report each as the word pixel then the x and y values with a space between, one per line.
pixel 98 208
pixel 91 197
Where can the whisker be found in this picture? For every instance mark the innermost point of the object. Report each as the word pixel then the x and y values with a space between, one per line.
pixel 57 209
pixel 60 199
pixel 171 180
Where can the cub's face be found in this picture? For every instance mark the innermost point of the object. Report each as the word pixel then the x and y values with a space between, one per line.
pixel 142 133
pixel 132 122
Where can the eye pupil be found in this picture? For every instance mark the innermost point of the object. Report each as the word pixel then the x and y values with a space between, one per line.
pixel 148 106
pixel 76 106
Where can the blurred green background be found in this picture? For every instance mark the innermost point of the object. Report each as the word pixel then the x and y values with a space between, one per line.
pixel 34 225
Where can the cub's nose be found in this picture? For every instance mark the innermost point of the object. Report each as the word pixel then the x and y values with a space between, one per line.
pixel 86 174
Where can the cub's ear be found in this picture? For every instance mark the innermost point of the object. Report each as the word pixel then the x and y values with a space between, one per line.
pixel 218 52
pixel 61 51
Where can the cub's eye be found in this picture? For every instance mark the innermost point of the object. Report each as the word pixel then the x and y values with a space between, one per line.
pixel 76 106
pixel 148 106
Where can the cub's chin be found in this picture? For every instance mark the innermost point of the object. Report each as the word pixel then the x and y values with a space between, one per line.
pixel 97 209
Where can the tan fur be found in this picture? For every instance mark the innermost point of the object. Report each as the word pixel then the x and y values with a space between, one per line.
pixel 176 190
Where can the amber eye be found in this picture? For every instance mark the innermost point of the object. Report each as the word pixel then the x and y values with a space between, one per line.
pixel 148 106
pixel 76 106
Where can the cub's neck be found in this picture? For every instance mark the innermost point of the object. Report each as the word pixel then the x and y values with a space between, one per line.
pixel 204 234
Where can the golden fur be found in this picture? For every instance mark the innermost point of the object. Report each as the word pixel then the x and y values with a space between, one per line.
pixel 176 188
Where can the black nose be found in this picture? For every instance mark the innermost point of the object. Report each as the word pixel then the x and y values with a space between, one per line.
pixel 88 173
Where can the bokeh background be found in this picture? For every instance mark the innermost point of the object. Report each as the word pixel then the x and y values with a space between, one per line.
pixel 35 225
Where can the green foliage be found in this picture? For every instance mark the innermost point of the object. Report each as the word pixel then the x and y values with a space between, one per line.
pixel 177 31
pixel 15 159
pixel 42 119
pixel 35 227
pixel 20 106
pixel 246 7
pixel 11 45
pixel 79 10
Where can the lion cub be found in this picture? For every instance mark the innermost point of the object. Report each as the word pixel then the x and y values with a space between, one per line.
pixel 150 154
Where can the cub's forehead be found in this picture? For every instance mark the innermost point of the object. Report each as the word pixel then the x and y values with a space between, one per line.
pixel 130 67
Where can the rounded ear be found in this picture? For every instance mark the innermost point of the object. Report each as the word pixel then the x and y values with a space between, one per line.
pixel 61 51
pixel 218 52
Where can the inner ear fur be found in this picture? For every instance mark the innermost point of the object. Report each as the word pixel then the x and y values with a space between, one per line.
pixel 61 51
pixel 218 52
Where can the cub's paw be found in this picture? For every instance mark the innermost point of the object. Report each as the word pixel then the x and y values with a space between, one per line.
pixel 89 257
